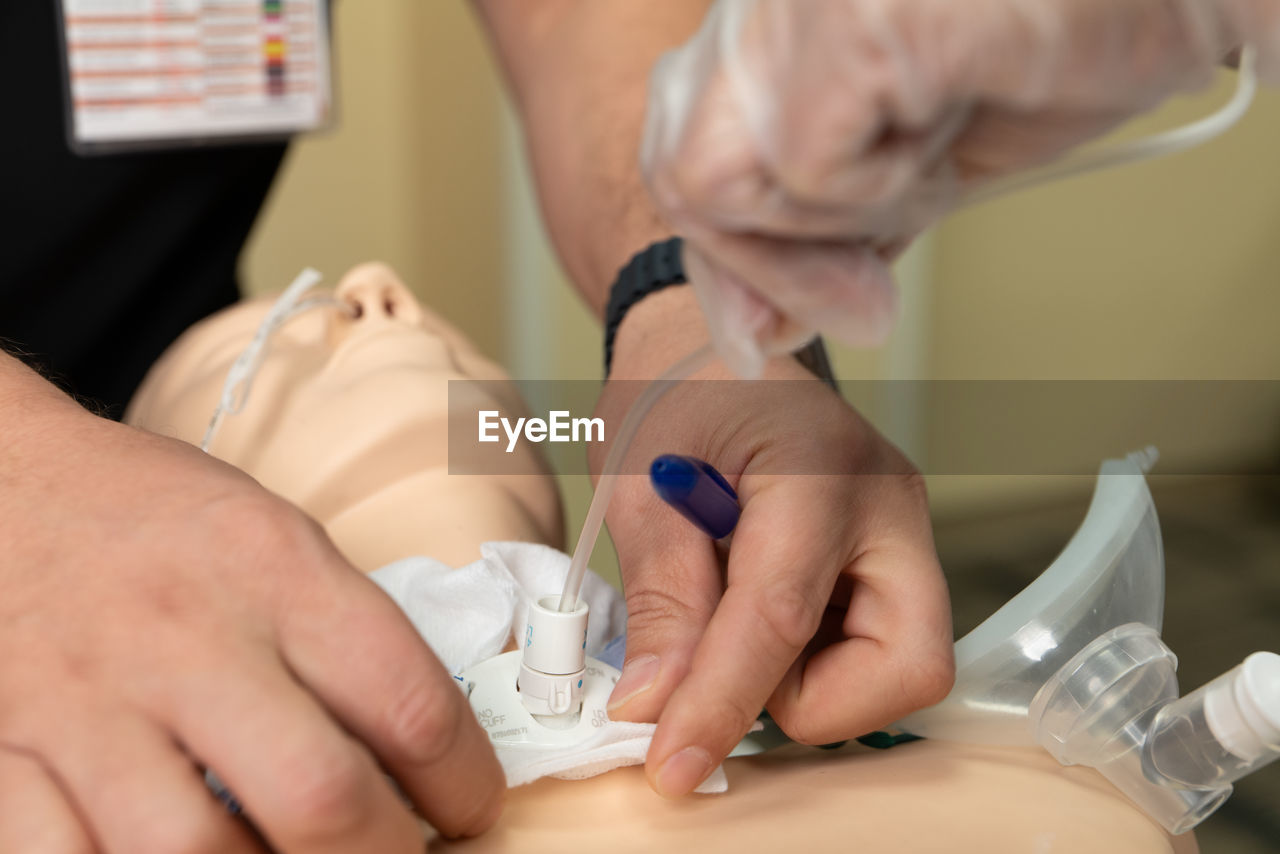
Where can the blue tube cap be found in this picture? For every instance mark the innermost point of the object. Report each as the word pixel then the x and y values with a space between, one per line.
pixel 697 492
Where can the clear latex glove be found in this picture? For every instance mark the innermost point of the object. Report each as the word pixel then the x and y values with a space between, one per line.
pixel 798 145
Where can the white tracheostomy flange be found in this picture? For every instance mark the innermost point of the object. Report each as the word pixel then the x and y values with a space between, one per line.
pixel 547 693
pixel 506 718
pixel 576 745
pixel 489 603
pixel 1074 663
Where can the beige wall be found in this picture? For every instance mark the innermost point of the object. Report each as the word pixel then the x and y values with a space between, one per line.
pixel 1167 270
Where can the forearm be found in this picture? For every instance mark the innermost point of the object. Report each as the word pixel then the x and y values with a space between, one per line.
pixel 578 71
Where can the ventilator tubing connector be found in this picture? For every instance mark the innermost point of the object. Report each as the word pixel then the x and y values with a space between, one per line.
pixel 1114 707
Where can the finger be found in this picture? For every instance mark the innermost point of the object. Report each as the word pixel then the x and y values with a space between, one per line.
pixel 362 657
pixel 869 680
pixel 34 813
pixel 719 174
pixel 735 153
pixel 721 177
pixel 139 791
pixel 782 569
pixel 894 651
pixel 840 121
pixel 305 784
pixel 672 580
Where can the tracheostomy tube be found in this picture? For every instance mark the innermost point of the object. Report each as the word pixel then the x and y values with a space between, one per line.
pixel 551 676
pixel 554 658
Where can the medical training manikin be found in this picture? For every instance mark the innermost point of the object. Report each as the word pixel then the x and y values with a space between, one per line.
pixel 348 419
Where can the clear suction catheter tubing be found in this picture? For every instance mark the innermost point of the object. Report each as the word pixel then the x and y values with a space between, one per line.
pixel 235 391
pixel 681 370
pixel 1171 142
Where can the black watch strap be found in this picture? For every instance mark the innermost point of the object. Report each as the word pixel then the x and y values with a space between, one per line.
pixel 658 267
pixel 649 271
pixel 813 358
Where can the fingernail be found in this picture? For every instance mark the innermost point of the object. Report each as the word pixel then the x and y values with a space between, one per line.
pixel 682 772
pixel 638 676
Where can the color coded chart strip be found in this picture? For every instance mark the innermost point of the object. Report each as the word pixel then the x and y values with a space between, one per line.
pixel 274 47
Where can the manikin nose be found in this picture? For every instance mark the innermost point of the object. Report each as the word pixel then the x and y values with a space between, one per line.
pixel 376 298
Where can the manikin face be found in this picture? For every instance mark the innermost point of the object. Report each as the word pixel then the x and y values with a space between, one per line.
pixel 348 418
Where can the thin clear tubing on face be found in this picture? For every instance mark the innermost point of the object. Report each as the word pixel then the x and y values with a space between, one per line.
pixel 239 382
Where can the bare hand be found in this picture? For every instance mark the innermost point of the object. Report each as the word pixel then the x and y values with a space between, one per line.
pixel 832 613
pixel 161 613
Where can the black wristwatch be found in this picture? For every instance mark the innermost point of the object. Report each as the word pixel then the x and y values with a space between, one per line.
pixel 658 267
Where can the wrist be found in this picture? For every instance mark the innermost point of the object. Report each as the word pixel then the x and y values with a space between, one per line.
pixel 660 267
pixel 668 325
pixel 657 332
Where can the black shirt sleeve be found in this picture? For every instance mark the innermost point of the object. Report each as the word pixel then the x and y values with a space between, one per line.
pixel 104 260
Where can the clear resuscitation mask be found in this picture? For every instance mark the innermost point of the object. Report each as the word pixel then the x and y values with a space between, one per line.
pixel 1075 664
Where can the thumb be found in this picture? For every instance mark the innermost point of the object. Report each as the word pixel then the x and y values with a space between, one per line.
pixel 672 581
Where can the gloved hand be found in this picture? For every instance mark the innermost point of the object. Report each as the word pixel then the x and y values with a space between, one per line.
pixel 160 611
pixel 798 145
pixel 833 612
